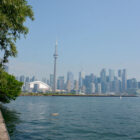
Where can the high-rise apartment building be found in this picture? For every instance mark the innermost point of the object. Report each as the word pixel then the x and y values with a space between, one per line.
pixel 132 83
pixel 60 83
pixel 27 79
pixel 92 88
pixel 98 90
pixel 68 86
pixel 111 75
pixel 124 80
pixel 22 78
pixel 70 80
pixel 33 79
pixel 81 78
pixel 103 75
pixel 51 80
pixel 120 73
pixel 76 86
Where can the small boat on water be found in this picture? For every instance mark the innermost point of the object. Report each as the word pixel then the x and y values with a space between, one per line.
pixel 120 97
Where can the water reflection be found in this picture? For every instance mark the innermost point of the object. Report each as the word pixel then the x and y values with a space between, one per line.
pixel 11 118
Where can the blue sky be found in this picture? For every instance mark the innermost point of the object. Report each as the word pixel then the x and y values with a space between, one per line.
pixel 91 34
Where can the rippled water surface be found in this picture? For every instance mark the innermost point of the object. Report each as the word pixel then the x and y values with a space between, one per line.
pixel 78 118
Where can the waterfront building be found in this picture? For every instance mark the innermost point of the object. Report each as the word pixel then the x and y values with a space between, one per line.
pixel 103 80
pixel 124 80
pixel 103 87
pixel 81 79
pixel 82 90
pixel 60 83
pixel 107 88
pixel 76 86
pixel 22 78
pixel 26 87
pixel 33 79
pixel 92 88
pixel 132 83
pixel 111 75
pixel 129 84
pixel 99 87
pixel 27 79
pixel 103 75
pixel 139 85
pixel 51 80
pixel 68 87
pixel 120 85
pixel 116 86
pixel 120 73
pixel 38 86
pixel 87 84
pixel 70 80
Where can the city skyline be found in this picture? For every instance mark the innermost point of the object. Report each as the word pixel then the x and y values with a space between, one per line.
pixel 94 35
pixel 76 75
pixel 107 82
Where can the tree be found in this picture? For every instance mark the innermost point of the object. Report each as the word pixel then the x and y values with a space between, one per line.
pixel 13 14
pixel 10 88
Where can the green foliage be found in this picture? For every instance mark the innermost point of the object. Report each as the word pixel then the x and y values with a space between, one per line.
pixel 10 88
pixel 13 14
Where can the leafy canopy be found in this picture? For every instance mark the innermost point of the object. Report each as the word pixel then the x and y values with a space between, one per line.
pixel 10 88
pixel 13 14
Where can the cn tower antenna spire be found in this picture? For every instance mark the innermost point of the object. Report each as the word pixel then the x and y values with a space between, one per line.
pixel 55 59
pixel 56 44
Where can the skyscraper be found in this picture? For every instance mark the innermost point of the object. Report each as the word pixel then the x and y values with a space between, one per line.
pixel 119 73
pixel 76 86
pixel 103 75
pixel 70 80
pixel 33 79
pixel 22 78
pixel 98 90
pixel 111 75
pixel 55 58
pixel 103 80
pixel 92 88
pixel 124 80
pixel 51 80
pixel 27 79
pixel 60 83
pixel 81 78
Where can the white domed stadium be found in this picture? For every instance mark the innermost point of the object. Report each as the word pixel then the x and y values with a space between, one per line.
pixel 38 86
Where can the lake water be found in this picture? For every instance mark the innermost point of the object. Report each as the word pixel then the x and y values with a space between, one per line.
pixel 78 118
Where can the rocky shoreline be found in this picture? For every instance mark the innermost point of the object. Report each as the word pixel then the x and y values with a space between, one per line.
pixel 3 130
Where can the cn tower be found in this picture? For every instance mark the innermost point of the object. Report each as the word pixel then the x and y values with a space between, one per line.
pixel 55 59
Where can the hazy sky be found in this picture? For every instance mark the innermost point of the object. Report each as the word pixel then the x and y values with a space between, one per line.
pixel 91 34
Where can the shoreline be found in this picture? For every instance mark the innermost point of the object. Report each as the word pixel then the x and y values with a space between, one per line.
pixel 65 95
pixel 3 130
